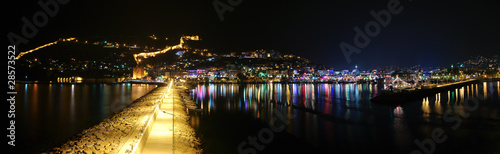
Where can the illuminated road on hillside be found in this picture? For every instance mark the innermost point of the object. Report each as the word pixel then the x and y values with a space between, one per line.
pixel 136 56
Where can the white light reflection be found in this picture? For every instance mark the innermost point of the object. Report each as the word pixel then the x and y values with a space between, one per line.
pixel 426 109
pixel 485 93
pixel 437 104
pixel 72 105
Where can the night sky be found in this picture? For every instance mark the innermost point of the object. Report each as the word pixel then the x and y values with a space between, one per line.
pixel 428 33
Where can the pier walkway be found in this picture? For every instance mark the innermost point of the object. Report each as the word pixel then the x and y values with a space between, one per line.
pixel 455 83
pixel 160 139
pixel 163 137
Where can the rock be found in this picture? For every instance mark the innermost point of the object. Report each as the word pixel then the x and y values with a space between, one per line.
pixel 88 150
pixel 105 143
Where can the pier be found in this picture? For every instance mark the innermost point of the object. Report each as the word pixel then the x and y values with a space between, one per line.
pixel 406 95
pixel 170 132
pixel 151 124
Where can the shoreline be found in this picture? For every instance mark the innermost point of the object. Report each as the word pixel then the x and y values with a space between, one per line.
pixel 280 82
pixel 49 82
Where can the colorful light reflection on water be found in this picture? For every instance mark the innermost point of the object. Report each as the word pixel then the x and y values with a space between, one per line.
pixel 318 97
pixel 341 115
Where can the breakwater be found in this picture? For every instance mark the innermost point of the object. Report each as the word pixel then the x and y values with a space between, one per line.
pixel 411 95
pixel 123 131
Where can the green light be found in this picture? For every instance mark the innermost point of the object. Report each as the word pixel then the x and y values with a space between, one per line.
pixel 261 74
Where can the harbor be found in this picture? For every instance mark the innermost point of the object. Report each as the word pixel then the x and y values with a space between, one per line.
pixel 217 77
pixel 231 113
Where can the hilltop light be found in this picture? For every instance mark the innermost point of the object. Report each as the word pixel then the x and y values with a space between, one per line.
pixel 168 48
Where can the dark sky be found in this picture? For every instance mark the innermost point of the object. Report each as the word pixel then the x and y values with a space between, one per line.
pixel 428 33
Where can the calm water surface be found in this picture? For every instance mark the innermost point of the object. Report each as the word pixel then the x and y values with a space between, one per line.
pixel 49 114
pixel 327 118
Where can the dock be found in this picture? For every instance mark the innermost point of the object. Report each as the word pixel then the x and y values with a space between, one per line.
pixel 416 94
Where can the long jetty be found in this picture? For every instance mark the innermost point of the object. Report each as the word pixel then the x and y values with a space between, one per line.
pixel 145 126
pixel 411 95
